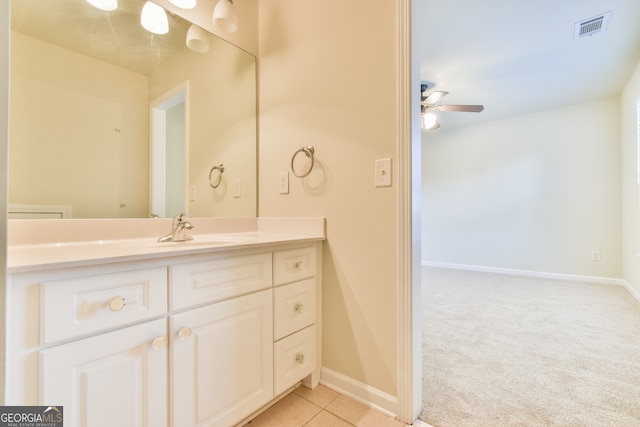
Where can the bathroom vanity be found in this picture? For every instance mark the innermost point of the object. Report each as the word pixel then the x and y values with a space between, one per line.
pixel 133 332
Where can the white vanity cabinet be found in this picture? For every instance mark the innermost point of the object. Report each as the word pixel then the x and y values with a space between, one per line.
pixel 191 340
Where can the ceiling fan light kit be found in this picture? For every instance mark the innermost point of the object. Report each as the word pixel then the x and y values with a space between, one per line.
pixel 429 102
pixel 430 121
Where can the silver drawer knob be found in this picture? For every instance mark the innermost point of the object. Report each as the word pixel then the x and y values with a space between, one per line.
pixel 116 303
pixel 184 333
pixel 159 342
pixel 299 308
pixel 300 358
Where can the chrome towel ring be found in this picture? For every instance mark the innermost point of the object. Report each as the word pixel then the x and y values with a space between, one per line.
pixel 309 152
pixel 220 169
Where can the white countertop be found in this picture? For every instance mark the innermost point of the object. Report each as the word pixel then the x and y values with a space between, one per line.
pixel 31 255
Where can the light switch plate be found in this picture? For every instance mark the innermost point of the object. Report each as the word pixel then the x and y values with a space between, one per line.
pixel 237 188
pixel 283 184
pixel 383 173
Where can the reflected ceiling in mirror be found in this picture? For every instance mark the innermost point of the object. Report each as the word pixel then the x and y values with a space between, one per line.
pixel 115 37
pixel 82 84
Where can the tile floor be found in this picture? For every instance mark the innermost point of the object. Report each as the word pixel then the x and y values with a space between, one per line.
pixel 321 407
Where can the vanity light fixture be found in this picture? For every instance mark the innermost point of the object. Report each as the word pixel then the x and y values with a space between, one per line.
pixel 225 17
pixel 197 39
pixel 153 18
pixel 183 4
pixel 106 5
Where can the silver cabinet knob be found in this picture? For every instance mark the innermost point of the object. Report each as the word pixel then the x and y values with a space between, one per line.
pixel 184 333
pixel 300 358
pixel 299 307
pixel 116 303
pixel 159 342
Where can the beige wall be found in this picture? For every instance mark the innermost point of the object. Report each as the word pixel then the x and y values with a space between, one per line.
pixel 328 79
pixel 535 192
pixel 79 132
pixel 630 188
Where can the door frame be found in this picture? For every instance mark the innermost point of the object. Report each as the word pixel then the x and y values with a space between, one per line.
pixel 409 221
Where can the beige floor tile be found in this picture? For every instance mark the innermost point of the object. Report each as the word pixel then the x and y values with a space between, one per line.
pixel 321 395
pixel 292 411
pixel 359 414
pixel 327 419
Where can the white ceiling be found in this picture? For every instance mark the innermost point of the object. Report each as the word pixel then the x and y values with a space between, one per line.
pixel 518 56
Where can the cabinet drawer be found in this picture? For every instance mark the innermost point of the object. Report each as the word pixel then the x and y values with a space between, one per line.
pixel 218 278
pixel 294 307
pixel 293 265
pixel 294 358
pixel 78 306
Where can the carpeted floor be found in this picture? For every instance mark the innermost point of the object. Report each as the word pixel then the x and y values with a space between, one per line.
pixel 501 350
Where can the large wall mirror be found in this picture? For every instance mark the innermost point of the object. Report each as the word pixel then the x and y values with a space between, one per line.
pixel 108 120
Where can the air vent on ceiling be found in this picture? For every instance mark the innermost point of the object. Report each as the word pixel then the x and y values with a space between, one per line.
pixel 591 26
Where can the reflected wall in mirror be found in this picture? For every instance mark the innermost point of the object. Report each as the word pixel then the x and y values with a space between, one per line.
pixel 84 83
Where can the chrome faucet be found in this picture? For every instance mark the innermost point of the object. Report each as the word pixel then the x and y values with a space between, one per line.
pixel 179 229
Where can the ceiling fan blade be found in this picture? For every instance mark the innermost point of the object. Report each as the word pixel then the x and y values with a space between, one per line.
pixel 462 108
pixel 434 97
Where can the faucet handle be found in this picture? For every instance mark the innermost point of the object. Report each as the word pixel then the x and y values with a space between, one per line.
pixel 180 218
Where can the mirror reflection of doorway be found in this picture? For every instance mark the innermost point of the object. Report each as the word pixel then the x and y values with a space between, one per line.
pixel 168 193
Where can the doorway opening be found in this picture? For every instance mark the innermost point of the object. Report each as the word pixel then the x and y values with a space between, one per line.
pixel 169 149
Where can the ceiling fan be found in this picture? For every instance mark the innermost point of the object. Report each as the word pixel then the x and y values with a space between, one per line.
pixel 430 102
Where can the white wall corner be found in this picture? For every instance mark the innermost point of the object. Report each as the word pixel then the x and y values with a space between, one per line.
pixel 634 293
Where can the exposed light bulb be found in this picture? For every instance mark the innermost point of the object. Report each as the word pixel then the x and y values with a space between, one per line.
pixel 153 18
pixel 183 4
pixel 106 5
pixel 225 17
pixel 429 121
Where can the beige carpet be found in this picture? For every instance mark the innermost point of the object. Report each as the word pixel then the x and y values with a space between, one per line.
pixel 502 350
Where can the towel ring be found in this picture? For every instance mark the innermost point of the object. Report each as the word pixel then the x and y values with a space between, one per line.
pixel 308 151
pixel 220 169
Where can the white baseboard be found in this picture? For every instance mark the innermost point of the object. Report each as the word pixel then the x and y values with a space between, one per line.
pixel 634 293
pixel 515 272
pixel 363 393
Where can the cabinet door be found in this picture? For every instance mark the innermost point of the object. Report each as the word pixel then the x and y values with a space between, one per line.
pixel 114 379
pixel 222 361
